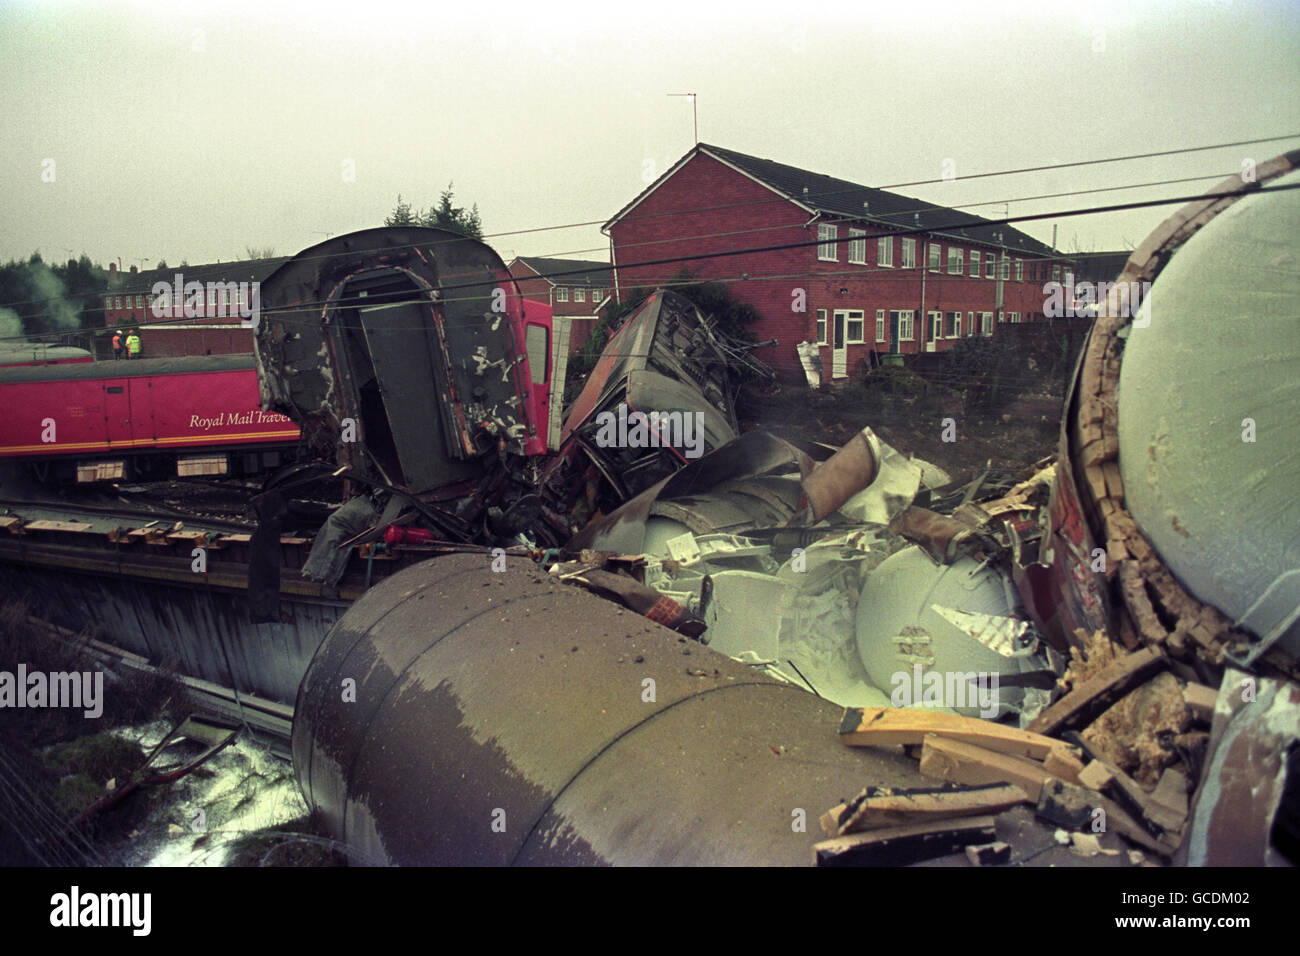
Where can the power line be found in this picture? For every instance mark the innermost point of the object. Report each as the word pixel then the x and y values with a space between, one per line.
pixel 919 230
pixel 923 182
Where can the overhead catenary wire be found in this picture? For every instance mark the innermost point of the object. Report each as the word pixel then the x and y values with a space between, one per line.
pixel 918 230
pixel 921 182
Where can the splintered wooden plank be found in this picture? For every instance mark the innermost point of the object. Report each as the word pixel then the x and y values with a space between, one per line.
pixel 1200 701
pixel 873 810
pixel 1095 776
pixel 899 846
pixel 1065 763
pixel 889 726
pixel 960 762
pixel 1086 702
pixel 1158 819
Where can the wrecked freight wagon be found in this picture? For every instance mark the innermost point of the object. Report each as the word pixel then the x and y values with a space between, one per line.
pixel 1123 691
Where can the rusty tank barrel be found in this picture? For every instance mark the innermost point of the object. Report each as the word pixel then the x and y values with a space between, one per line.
pixel 459 716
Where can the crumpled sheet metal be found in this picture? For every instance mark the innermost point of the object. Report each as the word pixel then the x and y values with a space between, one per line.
pixel 1245 771
pixel 752 454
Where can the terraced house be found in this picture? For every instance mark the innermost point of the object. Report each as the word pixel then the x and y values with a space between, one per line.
pixel 843 275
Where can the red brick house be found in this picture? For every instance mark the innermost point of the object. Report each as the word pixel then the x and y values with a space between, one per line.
pixel 217 331
pixel 854 287
pixel 575 289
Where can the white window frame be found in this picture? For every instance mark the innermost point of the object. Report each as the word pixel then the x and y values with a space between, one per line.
pixel 974 263
pixel 1002 317
pixel 561 293
pixel 851 316
pixel 906 324
pixel 880 326
pixel 956 261
pixel 823 329
pixel 885 252
pixel 579 294
pixel 936 326
pixel 1015 318
pixel 1004 267
pixel 1020 270
pixel 828 235
pixel 954 322
pixel 857 247
pixel 991 266
pixel 909 254
pixel 1056 273
pixel 986 323
pixel 970 323
pixel 936 257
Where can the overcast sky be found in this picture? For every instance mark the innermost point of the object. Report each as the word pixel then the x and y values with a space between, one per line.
pixel 195 130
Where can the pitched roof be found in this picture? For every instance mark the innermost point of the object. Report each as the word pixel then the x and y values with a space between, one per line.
pixel 238 270
pixel 585 272
pixel 841 199
pixel 1100 266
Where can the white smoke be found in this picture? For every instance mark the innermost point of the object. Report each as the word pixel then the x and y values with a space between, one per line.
pixel 49 287
pixel 11 325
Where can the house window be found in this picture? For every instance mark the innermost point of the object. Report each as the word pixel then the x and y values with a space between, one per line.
pixel 970 323
pixel 579 294
pixel 1002 317
pixel 827 233
pixel 1056 273
pixel 821 327
pixel 955 261
pixel 986 323
pixel 974 263
pixel 1015 318
pixel 954 325
pixel 1004 267
pixel 139 302
pixel 936 326
pixel 990 264
pixel 909 253
pixel 857 247
pixel 880 325
pixel 905 322
pixel 885 252
pixel 934 257
pixel 1020 270
pixel 597 295
pixel 853 321
pixel 117 302
pixel 561 294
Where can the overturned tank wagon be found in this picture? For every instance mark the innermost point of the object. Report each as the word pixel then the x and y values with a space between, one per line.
pixel 503 718
pixel 1176 508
